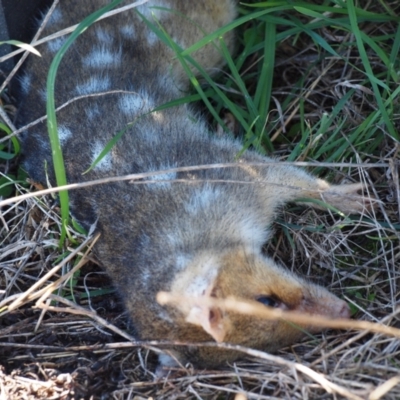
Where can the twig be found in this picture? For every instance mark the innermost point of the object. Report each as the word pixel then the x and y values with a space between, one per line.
pixel 136 177
pixel 244 307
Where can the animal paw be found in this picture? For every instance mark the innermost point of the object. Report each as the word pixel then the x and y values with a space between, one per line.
pixel 347 199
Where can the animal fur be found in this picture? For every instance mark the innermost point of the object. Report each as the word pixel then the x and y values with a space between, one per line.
pixel 201 237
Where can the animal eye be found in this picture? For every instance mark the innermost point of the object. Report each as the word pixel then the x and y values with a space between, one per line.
pixel 268 301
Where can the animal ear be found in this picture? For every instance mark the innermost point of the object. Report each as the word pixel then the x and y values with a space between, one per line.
pixel 199 281
pixel 211 319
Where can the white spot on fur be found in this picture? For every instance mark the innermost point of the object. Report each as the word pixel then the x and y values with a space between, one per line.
pixel 103 35
pixel 25 81
pixel 203 199
pixel 55 44
pixel 93 112
pixel 163 180
pixel 162 177
pixel 63 134
pixel 102 57
pixel 127 31
pixel 44 143
pixel 145 278
pixel 131 104
pixel 149 133
pixel 181 262
pixel 106 162
pixel 43 94
pixel 93 85
pixel 151 38
pixel 250 231
pixel 173 238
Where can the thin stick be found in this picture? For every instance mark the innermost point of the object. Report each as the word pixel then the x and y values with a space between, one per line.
pixel 243 307
pixel 135 177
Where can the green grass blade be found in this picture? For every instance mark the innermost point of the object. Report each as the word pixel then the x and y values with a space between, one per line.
pixel 262 96
pixel 58 159
pixel 365 60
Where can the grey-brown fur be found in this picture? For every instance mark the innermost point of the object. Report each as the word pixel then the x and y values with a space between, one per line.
pixel 155 236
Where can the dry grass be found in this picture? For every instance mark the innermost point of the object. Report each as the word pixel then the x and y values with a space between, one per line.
pixel 63 332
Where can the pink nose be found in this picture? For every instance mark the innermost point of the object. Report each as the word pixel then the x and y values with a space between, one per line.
pixel 343 310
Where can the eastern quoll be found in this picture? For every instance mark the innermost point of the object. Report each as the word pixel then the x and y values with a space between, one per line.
pixel 195 238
